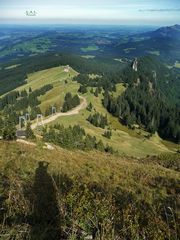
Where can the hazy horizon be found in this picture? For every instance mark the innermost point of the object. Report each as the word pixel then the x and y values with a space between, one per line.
pixel 103 12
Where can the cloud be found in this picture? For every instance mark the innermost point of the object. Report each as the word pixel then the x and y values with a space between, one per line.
pixel 160 10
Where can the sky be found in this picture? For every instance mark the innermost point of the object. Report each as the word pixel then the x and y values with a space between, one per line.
pixel 112 12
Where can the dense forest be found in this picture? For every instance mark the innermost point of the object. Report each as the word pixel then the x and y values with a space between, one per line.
pixel 70 102
pixel 98 120
pixel 151 99
pixel 12 78
pixel 18 103
pixel 145 102
pixel 149 111
pixel 21 100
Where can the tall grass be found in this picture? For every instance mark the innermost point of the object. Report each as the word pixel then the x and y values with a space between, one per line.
pixel 81 195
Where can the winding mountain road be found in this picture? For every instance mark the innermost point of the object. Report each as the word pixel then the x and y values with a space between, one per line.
pixel 74 111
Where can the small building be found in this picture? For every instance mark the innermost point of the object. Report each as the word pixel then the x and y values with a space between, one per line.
pixel 135 126
pixel 67 69
pixel 21 134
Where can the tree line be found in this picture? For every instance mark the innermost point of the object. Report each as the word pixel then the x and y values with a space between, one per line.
pixel 74 138
pixel 15 77
pixel 98 120
pixel 70 102
pixel 8 130
pixel 144 104
pixel 17 103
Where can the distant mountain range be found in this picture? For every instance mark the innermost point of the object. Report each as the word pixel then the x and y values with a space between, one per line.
pixel 163 42
pixel 112 43
pixel 172 32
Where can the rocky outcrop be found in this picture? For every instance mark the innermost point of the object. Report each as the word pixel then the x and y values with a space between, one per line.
pixel 135 65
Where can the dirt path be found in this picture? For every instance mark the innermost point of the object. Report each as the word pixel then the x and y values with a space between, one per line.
pixel 74 111
pixel 26 142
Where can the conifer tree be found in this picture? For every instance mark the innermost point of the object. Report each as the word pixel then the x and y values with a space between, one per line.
pixel 89 107
pixel 89 142
pixel 1 127
pixel 92 91
pixel 107 134
pixel 82 89
pixel 9 131
pixel 24 93
pixel 29 132
pixel 70 102
pixel 96 92
pixel 100 146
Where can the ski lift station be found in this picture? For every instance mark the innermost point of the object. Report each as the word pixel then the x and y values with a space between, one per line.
pixel 21 134
pixel 67 69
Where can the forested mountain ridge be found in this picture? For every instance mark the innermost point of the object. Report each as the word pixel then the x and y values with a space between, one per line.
pixel 172 32
pixel 111 42
pixel 147 101
pixel 163 43
pixel 10 78
pixel 153 71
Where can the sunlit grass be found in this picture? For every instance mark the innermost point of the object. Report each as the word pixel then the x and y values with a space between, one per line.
pixel 90 48
pixel 124 140
pixel 57 77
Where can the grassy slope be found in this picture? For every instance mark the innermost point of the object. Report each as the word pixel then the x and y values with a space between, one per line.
pixel 90 48
pixel 177 64
pixel 124 140
pixel 145 181
pixel 57 77
pixel 100 166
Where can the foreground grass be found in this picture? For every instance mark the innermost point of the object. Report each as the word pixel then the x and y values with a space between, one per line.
pixel 93 192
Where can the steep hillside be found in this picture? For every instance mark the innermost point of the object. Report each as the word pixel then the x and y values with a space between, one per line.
pixel 163 42
pixel 86 195
pixel 14 73
pixel 124 140
pixel 151 99
pixel 58 78
pixel 167 80
pixel 171 32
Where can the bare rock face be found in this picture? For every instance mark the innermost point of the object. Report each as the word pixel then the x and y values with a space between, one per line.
pixel 135 65
pixel 154 75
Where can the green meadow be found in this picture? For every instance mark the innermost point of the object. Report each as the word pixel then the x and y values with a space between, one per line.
pixel 90 48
